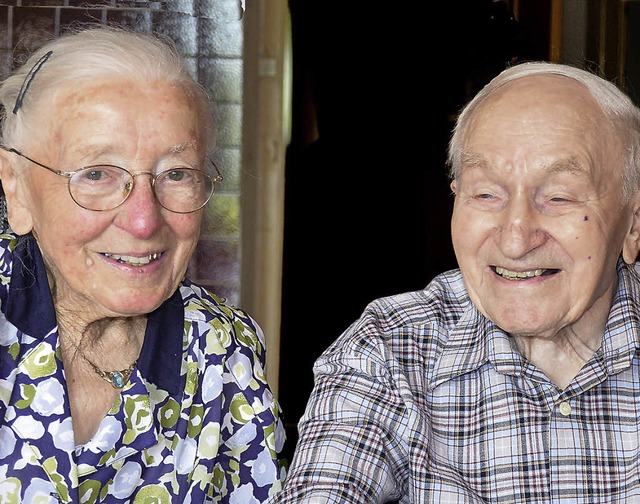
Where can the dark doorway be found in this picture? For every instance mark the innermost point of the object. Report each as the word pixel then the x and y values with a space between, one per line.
pixel 367 203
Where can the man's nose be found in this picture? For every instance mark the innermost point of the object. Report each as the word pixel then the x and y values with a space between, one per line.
pixel 520 230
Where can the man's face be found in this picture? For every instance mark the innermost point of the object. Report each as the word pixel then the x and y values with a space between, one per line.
pixel 538 220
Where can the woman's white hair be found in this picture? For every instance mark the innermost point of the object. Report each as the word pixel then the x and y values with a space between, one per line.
pixel 617 107
pixel 86 53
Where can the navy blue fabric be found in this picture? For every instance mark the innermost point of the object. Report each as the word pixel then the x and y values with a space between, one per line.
pixel 29 307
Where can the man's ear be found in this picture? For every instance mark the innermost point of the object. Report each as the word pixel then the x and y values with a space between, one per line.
pixel 631 245
pixel 19 213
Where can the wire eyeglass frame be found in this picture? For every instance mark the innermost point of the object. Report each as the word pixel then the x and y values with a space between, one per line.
pixel 210 181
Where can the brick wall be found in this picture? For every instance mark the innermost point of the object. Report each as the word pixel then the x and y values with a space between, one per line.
pixel 209 33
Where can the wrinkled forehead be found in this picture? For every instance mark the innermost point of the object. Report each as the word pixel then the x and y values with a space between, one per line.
pixel 87 93
pixel 115 109
pixel 542 119
pixel 547 106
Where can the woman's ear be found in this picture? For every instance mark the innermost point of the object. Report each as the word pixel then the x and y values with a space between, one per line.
pixel 631 245
pixel 18 212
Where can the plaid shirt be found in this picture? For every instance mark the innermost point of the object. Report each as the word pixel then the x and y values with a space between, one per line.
pixel 424 400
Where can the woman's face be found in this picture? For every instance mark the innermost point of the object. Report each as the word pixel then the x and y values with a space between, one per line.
pixel 125 261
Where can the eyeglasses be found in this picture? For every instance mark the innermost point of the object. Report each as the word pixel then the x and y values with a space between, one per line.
pixel 105 187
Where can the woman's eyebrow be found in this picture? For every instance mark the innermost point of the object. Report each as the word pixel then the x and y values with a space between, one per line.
pixel 177 149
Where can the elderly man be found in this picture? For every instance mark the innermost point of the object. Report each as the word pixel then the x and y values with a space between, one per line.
pixel 515 377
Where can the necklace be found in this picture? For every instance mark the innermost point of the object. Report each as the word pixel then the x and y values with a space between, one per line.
pixel 117 379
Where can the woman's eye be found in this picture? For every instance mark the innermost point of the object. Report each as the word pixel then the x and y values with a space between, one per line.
pixel 94 175
pixel 99 174
pixel 176 175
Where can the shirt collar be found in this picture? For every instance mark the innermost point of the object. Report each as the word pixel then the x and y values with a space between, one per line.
pixel 30 308
pixel 467 346
pixel 475 340
pixel 621 340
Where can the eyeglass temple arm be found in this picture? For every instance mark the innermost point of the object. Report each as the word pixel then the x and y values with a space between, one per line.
pixel 16 151
pixel 57 172
pixel 218 177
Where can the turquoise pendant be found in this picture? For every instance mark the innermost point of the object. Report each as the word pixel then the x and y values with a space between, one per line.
pixel 117 380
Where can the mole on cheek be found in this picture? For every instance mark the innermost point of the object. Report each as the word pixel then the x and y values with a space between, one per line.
pixel 586 218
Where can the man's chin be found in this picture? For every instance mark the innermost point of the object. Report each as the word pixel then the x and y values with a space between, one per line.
pixel 526 323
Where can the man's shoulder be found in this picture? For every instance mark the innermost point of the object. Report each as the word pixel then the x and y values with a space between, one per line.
pixel 408 329
pixel 442 301
pixel 447 287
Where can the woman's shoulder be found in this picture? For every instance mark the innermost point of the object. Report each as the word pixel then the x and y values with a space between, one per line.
pixel 232 326
pixel 200 301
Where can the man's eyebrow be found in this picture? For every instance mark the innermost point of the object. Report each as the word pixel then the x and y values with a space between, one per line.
pixel 473 160
pixel 570 164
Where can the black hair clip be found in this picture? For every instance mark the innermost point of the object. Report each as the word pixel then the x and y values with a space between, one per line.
pixel 27 80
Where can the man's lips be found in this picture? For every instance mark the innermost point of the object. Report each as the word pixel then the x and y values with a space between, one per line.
pixel 132 260
pixel 523 275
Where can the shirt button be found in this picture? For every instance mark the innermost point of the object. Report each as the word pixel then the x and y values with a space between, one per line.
pixel 565 408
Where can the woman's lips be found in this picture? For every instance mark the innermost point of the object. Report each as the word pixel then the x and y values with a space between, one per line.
pixel 132 260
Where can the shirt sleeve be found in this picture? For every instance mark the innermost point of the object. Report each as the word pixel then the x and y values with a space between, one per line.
pixel 351 447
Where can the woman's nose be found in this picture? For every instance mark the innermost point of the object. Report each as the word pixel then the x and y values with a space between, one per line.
pixel 141 213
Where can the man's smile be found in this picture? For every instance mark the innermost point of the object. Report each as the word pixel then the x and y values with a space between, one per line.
pixel 523 275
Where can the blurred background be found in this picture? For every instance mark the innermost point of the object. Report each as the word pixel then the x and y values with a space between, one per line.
pixel 333 120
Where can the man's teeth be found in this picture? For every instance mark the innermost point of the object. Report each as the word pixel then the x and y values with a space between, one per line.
pixel 518 275
pixel 134 261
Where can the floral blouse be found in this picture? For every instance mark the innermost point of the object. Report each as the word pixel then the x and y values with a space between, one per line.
pixel 195 423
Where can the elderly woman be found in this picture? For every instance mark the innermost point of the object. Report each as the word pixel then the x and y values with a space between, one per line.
pixel 120 380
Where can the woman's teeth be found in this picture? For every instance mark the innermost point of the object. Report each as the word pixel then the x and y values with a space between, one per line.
pixel 133 261
pixel 518 275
